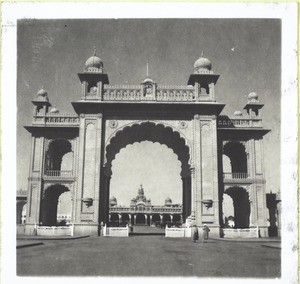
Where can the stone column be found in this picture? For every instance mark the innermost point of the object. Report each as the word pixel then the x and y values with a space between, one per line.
pixel 134 219
pixel 145 219
pixel 120 218
pixel 196 173
pixel 150 218
pixel 171 217
pixel 186 197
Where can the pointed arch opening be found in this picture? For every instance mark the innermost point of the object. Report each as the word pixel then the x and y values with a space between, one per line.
pixel 50 215
pixel 157 134
pixel 236 209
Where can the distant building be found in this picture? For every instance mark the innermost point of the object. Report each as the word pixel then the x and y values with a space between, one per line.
pixel 142 212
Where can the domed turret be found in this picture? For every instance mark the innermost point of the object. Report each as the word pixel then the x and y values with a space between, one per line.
pixel 42 95
pixel 253 97
pixel 113 201
pixel 168 201
pixel 94 64
pixel 202 65
pixel 94 61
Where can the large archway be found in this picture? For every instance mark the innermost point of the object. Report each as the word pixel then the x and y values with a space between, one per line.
pixel 155 133
pixel 49 205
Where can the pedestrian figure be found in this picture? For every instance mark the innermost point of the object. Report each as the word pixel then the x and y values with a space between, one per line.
pixel 205 234
pixel 195 233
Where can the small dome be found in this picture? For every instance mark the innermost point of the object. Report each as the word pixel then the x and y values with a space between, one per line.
pixel 148 80
pixel 54 110
pixel 94 62
pixel 168 200
pixel 237 113
pixel 42 95
pixel 202 63
pixel 113 198
pixel 252 96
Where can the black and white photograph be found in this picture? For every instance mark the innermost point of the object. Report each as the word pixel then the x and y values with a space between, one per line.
pixel 149 140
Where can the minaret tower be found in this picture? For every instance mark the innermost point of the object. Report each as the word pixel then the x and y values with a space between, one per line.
pixel 93 78
pixel 203 79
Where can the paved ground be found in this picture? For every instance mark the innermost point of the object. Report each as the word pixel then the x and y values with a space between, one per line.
pixel 148 256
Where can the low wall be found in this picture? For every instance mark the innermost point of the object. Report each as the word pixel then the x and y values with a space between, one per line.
pixel 241 233
pixel 20 229
pixel 115 231
pixel 54 231
pixel 178 232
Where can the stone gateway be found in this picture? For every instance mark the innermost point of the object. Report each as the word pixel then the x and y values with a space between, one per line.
pixel 221 156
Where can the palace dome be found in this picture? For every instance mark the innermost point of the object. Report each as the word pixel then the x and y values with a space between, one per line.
pixel 202 63
pixel 168 200
pixel 94 62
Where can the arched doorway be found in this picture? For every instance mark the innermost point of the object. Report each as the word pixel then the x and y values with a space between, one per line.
pixel 49 204
pixel 155 133
pixel 140 219
pixel 241 208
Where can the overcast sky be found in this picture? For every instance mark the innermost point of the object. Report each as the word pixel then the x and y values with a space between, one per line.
pixel 245 52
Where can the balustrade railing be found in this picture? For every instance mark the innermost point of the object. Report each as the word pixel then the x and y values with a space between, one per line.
pixel 135 93
pixel 56 118
pixel 229 122
pixel 235 175
pixel 147 210
pixel 52 173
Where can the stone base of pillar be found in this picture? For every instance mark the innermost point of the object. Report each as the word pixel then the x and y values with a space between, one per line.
pixel 30 229
pixel 263 231
pixel 86 229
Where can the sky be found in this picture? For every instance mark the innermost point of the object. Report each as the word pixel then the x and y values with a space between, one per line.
pixel 246 53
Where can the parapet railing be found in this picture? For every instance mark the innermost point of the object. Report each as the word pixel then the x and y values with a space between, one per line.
pixel 235 175
pixel 56 118
pixel 52 173
pixel 150 210
pixel 21 193
pixel 234 122
pixel 136 93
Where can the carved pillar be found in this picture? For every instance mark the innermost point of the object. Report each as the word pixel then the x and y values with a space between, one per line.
pixel 145 219
pixel 134 219
pixel 171 217
pixel 120 218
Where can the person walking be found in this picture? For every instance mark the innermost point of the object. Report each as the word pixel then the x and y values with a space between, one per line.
pixel 195 233
pixel 205 233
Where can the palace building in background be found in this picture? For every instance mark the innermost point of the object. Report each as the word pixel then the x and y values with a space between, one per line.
pixel 222 157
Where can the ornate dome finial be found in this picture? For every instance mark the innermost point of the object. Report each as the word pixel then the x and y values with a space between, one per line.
pixel 94 51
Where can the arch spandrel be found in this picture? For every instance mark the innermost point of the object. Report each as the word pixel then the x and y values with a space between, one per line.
pixel 154 131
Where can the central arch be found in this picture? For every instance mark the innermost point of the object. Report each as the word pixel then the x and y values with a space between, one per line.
pixel 156 133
